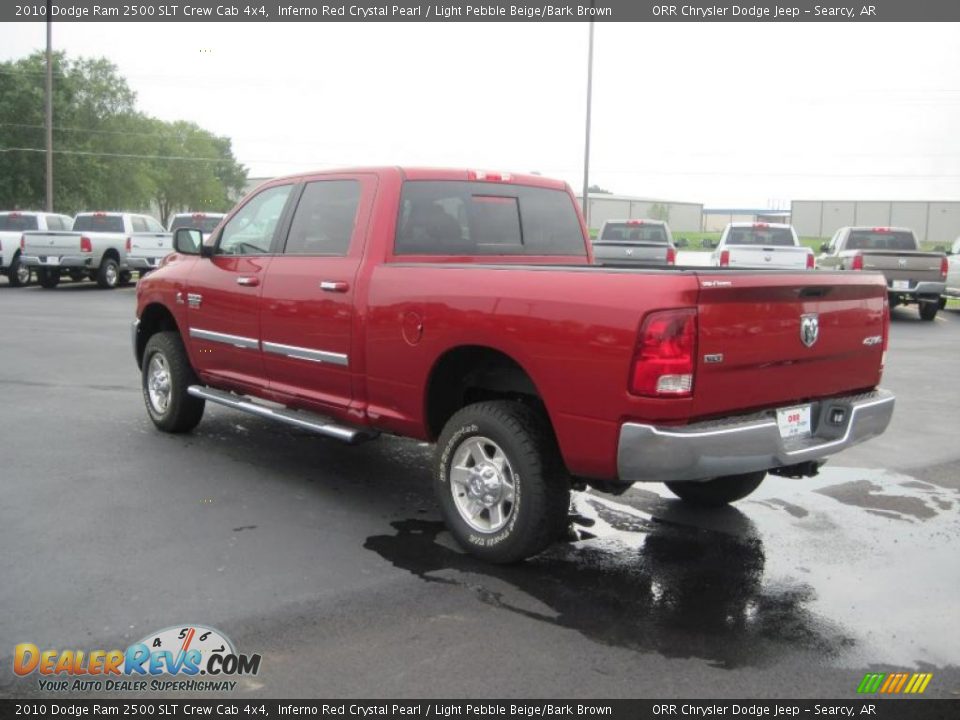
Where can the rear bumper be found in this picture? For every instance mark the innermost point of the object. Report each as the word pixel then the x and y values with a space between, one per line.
pixel 647 453
pixel 143 263
pixel 57 261
pixel 921 288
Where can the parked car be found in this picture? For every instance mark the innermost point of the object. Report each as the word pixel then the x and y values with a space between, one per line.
pixel 462 308
pixel 761 245
pixel 634 242
pixel 13 223
pixel 913 277
pixel 95 248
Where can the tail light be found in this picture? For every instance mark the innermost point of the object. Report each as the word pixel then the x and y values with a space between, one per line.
pixel 724 258
pixel 23 242
pixel 85 244
pixel 129 244
pixel 944 268
pixel 671 256
pixel 886 332
pixel 857 263
pixel 663 362
pixel 810 261
pixel 482 175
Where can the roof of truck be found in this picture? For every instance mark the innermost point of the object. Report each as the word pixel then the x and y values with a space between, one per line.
pixel 432 173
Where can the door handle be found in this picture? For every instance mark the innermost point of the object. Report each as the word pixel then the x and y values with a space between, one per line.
pixel 334 286
pixel 248 281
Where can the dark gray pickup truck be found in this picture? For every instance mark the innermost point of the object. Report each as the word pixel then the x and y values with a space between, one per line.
pixel 634 242
pixel 912 276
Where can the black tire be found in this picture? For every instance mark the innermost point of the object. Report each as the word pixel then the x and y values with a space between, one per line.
pixel 16 272
pixel 124 280
pixel 929 310
pixel 48 278
pixel 108 274
pixel 540 485
pixel 182 412
pixel 78 275
pixel 719 491
pixel 943 302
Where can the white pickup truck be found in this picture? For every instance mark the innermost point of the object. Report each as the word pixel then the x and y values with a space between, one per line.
pixel 144 253
pixel 761 245
pixel 13 224
pixel 205 222
pixel 96 248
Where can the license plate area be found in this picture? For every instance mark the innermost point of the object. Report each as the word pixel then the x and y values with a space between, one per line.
pixel 794 422
pixel 901 285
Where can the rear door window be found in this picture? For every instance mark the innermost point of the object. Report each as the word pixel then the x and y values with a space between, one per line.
pixel 476 218
pixel 99 223
pixel 138 224
pixel 324 220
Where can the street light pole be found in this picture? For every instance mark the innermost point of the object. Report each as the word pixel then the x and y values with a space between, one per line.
pixel 586 146
pixel 49 122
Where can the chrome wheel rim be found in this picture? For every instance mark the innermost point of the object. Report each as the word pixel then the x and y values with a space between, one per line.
pixel 158 383
pixel 112 274
pixel 483 485
pixel 23 274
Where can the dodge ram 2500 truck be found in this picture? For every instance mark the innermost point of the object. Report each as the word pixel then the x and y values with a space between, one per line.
pixel 761 245
pixel 462 308
pixel 634 242
pixel 96 248
pixel 12 226
pixel 912 276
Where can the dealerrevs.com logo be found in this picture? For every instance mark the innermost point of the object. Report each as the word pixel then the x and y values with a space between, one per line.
pixel 179 658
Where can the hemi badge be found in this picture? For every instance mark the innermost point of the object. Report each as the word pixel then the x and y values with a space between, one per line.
pixel 713 358
pixel 873 340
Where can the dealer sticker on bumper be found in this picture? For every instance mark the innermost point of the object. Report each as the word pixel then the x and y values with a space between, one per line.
pixel 794 422
pixel 901 284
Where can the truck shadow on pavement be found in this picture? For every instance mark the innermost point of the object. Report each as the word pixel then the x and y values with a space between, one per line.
pixel 656 584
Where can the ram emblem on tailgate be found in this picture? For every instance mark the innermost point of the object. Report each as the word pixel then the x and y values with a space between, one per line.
pixel 809 329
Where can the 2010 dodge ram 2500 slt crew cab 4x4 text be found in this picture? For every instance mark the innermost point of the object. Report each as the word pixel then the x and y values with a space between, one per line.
pixel 463 308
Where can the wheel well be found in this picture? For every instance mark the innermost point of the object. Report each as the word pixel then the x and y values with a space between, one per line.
pixel 110 253
pixel 154 318
pixel 472 374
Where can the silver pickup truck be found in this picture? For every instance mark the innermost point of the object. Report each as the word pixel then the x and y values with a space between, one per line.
pixel 634 242
pixel 96 248
pixel 913 276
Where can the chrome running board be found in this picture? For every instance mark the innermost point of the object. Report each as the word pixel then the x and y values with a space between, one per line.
pixel 298 418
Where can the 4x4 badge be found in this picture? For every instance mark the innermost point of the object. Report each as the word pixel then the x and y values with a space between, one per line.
pixel 809 329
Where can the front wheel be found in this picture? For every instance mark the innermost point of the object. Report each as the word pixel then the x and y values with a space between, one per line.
pixel 166 374
pixel 929 310
pixel 18 274
pixel 719 491
pixel 48 278
pixel 501 485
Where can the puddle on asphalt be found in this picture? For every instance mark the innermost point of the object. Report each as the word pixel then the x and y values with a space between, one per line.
pixel 849 566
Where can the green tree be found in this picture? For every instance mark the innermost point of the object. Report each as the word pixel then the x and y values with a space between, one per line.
pixel 660 211
pixel 597 190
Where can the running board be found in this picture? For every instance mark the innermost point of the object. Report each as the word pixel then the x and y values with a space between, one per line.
pixel 298 418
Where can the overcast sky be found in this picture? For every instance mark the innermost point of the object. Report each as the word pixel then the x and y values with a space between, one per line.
pixel 726 114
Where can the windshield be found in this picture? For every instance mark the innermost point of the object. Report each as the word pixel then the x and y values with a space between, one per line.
pixel 204 223
pixel 634 232
pixel 874 240
pixel 763 236
pixel 16 221
pixel 98 223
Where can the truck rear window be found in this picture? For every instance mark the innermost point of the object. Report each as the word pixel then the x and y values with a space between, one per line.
pixel 204 223
pixel 866 240
pixel 18 222
pixel 766 237
pixel 626 232
pixel 478 218
pixel 98 223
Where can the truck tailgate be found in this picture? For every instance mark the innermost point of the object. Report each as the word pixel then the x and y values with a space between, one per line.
pixel 752 353
pixel 910 266
pixel 768 257
pixel 151 245
pixel 623 253
pixel 51 242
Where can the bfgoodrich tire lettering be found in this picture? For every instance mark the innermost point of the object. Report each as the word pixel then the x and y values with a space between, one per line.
pixel 165 376
pixel 531 488
pixel 719 491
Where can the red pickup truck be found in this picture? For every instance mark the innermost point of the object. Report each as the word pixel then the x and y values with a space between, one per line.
pixel 462 308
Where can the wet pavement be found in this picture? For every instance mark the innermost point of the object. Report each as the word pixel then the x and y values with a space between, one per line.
pixel 331 561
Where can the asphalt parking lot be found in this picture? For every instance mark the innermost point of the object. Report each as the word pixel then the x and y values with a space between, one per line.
pixel 331 561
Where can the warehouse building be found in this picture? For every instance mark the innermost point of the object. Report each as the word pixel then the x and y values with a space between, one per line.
pixel 716 219
pixel 681 216
pixel 932 222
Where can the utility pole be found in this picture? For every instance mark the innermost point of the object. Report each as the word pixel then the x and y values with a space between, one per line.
pixel 586 147
pixel 49 122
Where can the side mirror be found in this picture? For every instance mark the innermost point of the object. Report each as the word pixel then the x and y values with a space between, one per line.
pixel 189 241
pixel 824 247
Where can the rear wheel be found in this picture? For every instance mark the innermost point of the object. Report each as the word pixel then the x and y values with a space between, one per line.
pixel 18 274
pixel 165 376
pixel 48 278
pixel 929 310
pixel 719 491
pixel 108 274
pixel 501 485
